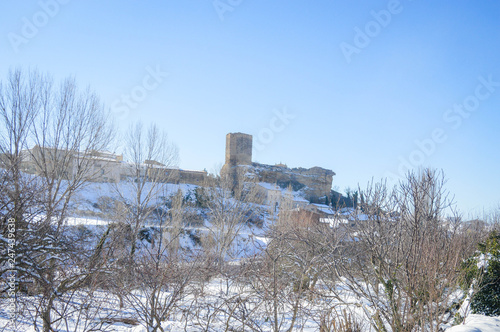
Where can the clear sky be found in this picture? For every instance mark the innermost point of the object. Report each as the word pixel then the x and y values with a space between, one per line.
pixel 365 88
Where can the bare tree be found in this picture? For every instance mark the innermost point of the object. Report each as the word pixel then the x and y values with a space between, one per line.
pixel 65 126
pixel 80 304
pixel 231 200
pixel 160 282
pixel 152 157
pixel 71 127
pixel 20 103
pixel 172 229
pixel 161 271
pixel 291 265
pixel 229 307
pixel 403 254
pixel 143 194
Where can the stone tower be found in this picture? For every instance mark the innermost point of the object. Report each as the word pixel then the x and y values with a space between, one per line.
pixel 238 149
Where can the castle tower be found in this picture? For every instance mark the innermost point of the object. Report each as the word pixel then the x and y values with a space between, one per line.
pixel 238 149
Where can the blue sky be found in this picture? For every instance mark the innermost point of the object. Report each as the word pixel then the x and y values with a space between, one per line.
pixel 365 88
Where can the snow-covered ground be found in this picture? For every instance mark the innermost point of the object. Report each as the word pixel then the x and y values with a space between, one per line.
pixel 218 307
pixel 477 323
pixel 210 305
pixel 87 198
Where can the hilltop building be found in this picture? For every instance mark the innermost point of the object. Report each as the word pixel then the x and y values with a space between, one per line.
pixel 315 182
pixel 102 166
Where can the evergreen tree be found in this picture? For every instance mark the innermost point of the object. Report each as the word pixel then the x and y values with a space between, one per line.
pixel 482 272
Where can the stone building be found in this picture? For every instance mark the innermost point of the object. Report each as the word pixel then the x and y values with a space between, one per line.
pixel 102 166
pixel 159 172
pixel 176 175
pixel 238 149
pixel 315 182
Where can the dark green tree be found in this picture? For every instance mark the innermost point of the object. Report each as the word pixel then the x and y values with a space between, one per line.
pixel 485 270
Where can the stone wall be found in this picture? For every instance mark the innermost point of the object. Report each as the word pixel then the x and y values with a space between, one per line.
pixel 238 149
pixel 176 176
pixel 315 182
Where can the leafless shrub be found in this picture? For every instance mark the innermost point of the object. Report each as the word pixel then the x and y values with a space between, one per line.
pixel 403 254
pixel 151 155
pixel 345 321
pixel 66 126
pixel 230 199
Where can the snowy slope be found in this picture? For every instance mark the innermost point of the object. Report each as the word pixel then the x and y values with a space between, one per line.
pixel 478 323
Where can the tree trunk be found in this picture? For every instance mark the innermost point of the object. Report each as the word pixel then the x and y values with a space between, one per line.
pixel 47 322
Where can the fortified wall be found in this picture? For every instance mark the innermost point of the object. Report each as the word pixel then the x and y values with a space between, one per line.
pixel 315 182
pixel 103 166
